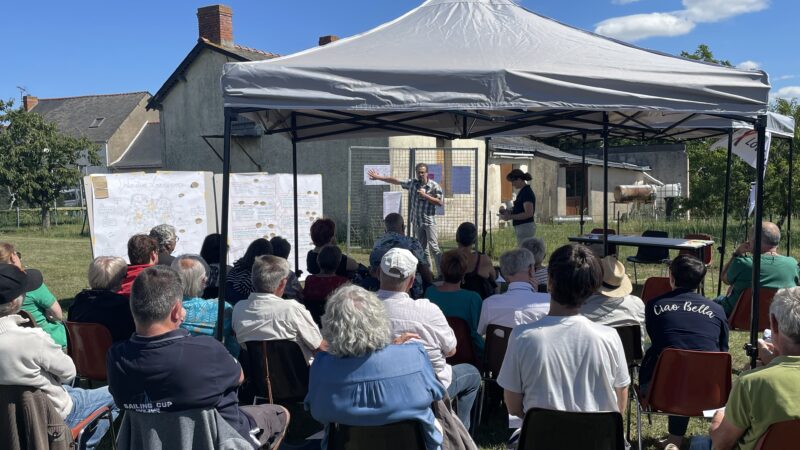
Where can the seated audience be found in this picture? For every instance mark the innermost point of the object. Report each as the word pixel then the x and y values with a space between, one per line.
pixel 281 248
pixel 769 394
pixel 520 304
pixel 265 316
pixel 31 358
pixel 537 247
pixel 364 380
pixel 395 238
pixel 426 320
pixel 454 301
pixel 613 304
pixel 39 302
pixel 319 286
pixel 209 251
pixel 142 253
pixel 101 303
pixel 564 361
pixel 238 284
pixel 167 239
pixel 323 232
pixel 481 278
pixel 162 368
pixel 685 320
pixel 777 271
pixel 202 314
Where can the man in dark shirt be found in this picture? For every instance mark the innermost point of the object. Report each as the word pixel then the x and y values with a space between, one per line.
pixel 682 319
pixel 164 369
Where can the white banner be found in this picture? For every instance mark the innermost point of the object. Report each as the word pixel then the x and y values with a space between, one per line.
pixel 744 146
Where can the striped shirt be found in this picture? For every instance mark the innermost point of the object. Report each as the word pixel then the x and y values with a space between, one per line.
pixel 422 211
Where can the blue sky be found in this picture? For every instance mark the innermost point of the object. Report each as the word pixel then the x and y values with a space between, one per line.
pixel 61 49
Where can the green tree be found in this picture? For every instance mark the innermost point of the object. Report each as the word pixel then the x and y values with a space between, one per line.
pixel 37 162
pixel 703 53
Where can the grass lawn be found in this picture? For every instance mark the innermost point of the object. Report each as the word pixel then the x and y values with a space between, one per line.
pixel 63 256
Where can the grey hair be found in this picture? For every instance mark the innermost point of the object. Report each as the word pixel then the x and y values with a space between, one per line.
pixel 515 261
pixel 785 310
pixel 770 234
pixel 268 272
pixel 164 234
pixel 154 293
pixel 535 246
pixel 355 322
pixel 107 272
pixel 193 271
pixel 12 307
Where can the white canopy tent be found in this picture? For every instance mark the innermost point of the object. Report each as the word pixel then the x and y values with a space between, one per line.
pixel 479 68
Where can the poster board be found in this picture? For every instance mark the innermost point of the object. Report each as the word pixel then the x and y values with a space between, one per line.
pixel 123 204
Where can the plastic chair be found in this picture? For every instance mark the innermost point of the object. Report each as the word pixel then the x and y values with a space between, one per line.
pixel 780 436
pixel 559 430
pixel 655 287
pixel 706 253
pixel 405 435
pixel 631 337
pixel 87 345
pixel 278 371
pixel 685 383
pixel 612 249
pixel 465 352
pixel 741 314
pixel 646 254
pixel 87 426
pixel 494 351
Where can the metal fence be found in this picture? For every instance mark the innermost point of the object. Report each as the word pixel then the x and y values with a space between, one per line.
pixel 31 217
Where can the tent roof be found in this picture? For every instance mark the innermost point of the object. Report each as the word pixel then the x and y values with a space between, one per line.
pixel 471 68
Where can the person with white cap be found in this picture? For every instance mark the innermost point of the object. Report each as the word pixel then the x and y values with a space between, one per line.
pixel 406 315
pixel 613 304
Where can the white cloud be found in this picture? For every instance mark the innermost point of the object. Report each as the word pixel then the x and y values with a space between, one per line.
pixel 749 65
pixel 623 2
pixel 716 10
pixel 788 92
pixel 785 77
pixel 641 26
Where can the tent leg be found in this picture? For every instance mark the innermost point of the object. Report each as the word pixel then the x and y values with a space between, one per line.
pixel 761 128
pixel 485 190
pixel 583 174
pixel 721 248
pixel 294 187
pixel 223 242
pixel 475 190
pixel 789 200
pixel 605 184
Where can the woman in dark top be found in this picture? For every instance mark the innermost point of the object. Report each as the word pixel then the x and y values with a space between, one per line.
pixel 101 304
pixel 481 275
pixel 210 254
pixel 524 208
pixel 323 232
pixel 238 285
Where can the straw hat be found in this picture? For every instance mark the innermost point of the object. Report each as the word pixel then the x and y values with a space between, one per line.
pixel 615 282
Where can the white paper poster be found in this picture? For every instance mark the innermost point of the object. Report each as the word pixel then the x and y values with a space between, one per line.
pixel 391 202
pixel 383 170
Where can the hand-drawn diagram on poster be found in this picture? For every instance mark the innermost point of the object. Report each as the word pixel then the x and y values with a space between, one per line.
pixel 261 206
pixel 382 169
pixel 125 204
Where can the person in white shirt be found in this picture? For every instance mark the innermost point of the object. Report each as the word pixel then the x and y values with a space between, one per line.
pixel 423 318
pixel 613 304
pixel 564 361
pixel 520 304
pixel 265 316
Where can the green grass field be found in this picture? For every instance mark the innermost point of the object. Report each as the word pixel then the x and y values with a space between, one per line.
pixel 63 256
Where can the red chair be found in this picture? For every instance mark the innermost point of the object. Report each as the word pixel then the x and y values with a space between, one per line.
pixel 685 383
pixel 87 345
pixel 26 315
pixel 655 287
pixel 780 436
pixel 740 317
pixel 465 352
pixel 706 253
pixel 90 423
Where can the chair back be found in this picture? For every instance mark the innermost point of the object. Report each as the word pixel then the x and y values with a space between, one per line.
pixel 194 429
pixel 655 287
pixel 405 435
pixel 494 350
pixel 465 353
pixel 706 253
pixel 740 317
pixel 87 345
pixel 31 323
pixel 631 337
pixel 29 420
pixel 278 370
pixel 687 382
pixel 653 254
pixel 612 249
pixel 545 429
pixel 780 436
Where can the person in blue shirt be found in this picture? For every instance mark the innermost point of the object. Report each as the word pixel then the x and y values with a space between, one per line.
pixel 365 380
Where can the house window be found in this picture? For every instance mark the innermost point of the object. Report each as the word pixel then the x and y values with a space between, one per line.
pixel 97 122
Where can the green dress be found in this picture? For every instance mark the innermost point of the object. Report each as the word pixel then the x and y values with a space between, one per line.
pixel 36 303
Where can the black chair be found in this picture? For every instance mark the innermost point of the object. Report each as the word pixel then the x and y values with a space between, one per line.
pixel 494 350
pixel 405 435
pixel 646 254
pixel 545 429
pixel 631 337
pixel 276 371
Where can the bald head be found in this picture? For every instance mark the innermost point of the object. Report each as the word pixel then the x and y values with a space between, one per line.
pixel 770 236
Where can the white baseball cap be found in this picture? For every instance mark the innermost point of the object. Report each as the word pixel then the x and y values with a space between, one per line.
pixel 398 263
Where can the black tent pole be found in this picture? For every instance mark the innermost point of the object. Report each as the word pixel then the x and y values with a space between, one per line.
pixel 752 349
pixel 721 248
pixel 583 175
pixel 294 187
pixel 485 189
pixel 789 205
pixel 605 183
pixel 223 241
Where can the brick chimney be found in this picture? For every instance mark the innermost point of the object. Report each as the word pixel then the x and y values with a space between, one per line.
pixel 29 101
pixel 325 40
pixel 215 23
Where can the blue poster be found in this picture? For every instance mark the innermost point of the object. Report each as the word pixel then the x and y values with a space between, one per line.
pixel 461 180
pixel 435 174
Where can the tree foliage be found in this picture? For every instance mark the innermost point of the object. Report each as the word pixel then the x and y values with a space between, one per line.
pixel 703 53
pixel 37 162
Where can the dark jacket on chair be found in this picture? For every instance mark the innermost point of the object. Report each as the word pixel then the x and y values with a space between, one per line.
pixel 28 421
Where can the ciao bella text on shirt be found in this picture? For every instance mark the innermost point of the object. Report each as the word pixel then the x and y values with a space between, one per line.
pixel 686 307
